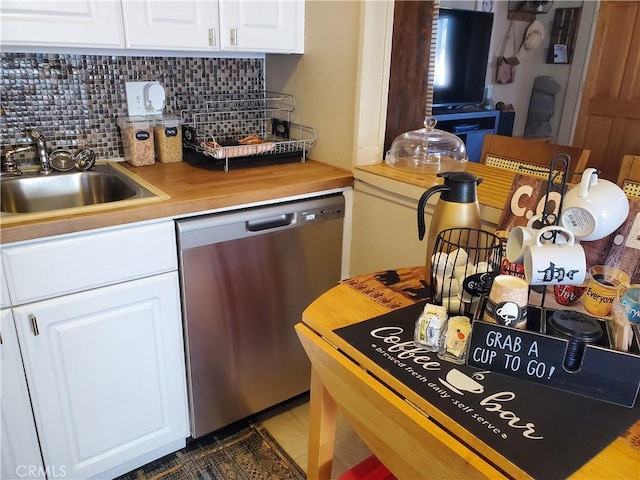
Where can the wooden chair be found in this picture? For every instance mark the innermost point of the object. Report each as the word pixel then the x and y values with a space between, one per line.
pixel 530 157
pixel 629 175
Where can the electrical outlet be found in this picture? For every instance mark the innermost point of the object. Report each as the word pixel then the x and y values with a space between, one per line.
pixel 144 98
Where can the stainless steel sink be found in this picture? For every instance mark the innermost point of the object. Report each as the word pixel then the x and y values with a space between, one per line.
pixel 33 192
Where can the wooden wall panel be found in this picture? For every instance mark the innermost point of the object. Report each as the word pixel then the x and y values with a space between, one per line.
pixel 408 89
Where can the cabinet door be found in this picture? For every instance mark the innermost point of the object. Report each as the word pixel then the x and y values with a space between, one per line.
pixel 106 373
pixel 262 26
pixel 4 289
pixel 20 451
pixel 171 25
pixel 90 23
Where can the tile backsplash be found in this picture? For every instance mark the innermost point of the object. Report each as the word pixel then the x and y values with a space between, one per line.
pixel 74 100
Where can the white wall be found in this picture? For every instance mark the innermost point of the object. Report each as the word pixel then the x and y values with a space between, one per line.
pixel 569 76
pixel 324 79
pixel 337 78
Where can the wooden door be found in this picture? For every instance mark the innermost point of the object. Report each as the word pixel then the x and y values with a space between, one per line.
pixel 609 115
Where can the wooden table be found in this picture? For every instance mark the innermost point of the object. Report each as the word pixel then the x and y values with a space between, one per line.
pixel 408 434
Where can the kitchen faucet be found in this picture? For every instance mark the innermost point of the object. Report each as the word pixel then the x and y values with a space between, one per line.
pixel 41 149
pixel 9 165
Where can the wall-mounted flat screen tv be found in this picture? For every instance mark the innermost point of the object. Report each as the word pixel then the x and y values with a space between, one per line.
pixel 462 53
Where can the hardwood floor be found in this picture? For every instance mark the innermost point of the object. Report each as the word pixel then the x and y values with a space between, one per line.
pixel 288 424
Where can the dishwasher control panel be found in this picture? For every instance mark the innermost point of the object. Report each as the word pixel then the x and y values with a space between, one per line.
pixel 317 214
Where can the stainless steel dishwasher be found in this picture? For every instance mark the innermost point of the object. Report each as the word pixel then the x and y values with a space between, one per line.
pixel 246 277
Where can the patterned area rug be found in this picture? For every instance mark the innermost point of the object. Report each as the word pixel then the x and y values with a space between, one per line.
pixel 243 451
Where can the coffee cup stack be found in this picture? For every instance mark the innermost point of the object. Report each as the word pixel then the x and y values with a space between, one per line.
pixel 507 302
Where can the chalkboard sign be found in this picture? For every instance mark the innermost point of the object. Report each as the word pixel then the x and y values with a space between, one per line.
pixel 547 432
pixel 601 373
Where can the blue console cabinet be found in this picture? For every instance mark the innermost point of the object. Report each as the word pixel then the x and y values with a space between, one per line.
pixel 470 126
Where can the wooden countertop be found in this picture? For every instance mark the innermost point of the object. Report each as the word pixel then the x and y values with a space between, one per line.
pixel 191 190
pixel 492 192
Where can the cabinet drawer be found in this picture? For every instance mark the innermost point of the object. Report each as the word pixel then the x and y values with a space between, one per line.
pixel 58 266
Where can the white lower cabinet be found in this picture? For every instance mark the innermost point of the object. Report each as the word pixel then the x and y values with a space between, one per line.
pixel 18 441
pixel 105 370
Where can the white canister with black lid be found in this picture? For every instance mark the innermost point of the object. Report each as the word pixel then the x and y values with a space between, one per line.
pixel 167 131
pixel 137 140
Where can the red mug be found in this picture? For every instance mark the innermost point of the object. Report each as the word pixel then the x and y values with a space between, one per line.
pixel 509 268
pixel 568 294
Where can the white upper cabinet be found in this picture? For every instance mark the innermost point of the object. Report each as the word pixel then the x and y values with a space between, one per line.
pixel 85 23
pixel 265 26
pixel 171 25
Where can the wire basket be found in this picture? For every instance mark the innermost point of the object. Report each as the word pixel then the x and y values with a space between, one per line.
pixel 463 265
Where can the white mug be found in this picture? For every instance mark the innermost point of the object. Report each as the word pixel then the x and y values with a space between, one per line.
pixel 522 237
pixel 594 208
pixel 555 263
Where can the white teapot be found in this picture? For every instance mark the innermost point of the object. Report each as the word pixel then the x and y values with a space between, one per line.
pixel 594 208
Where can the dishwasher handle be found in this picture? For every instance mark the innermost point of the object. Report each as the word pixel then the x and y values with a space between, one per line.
pixel 270 222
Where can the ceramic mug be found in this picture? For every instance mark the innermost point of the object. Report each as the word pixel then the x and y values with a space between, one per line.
pixel 594 208
pixel 568 295
pixel 522 237
pixel 603 288
pixel 555 263
pixel 630 302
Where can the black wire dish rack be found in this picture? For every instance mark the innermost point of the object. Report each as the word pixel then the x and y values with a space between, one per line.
pixel 246 127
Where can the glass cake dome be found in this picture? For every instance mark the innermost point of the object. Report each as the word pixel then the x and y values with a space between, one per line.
pixel 427 150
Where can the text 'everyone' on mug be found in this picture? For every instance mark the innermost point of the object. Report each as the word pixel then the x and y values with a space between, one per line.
pixel 630 302
pixel 603 288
